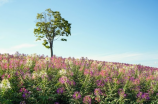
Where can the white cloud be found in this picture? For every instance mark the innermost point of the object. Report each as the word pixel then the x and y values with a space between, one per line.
pixel 23 46
pixel 125 57
pixel 13 49
pixel 2 51
pixel 3 2
pixel 117 57
pixel 145 59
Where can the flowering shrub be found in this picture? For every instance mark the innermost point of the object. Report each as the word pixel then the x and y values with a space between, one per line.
pixel 36 79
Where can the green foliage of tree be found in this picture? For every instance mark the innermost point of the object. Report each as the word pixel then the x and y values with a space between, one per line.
pixel 48 29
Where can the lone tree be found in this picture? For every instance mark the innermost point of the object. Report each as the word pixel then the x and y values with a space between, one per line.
pixel 48 28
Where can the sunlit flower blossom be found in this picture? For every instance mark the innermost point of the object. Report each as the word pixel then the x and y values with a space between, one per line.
pixel 66 61
pixel 94 62
pixel 10 66
pixel 38 89
pixel 151 77
pixel 100 83
pixel 22 102
pixel 97 99
pixel 34 75
pixel 4 61
pixel 16 54
pixel 136 81
pixel 22 89
pixel 139 94
pixel 100 64
pixel 72 83
pixel 27 75
pixel 115 80
pixel 145 96
pixel 43 74
pixel 0 85
pixel 86 71
pixel 29 62
pixel 21 56
pixel 71 66
pixel 60 90
pixel 96 73
pixel 86 61
pixel 26 94
pixel 4 76
pixel 34 55
pixel 81 69
pixel 121 70
pixel 103 73
pixel 62 72
pixel 47 59
pixel 76 95
pixel 70 73
pixel 77 60
pixel 5 83
pixel 97 92
pixel 6 55
pixel 87 99
pixel 63 79
pixel 121 93
pixel 5 66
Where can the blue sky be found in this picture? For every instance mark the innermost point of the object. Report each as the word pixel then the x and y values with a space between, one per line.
pixel 124 31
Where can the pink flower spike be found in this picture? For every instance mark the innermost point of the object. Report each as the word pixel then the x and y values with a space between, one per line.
pixel 97 92
pixel 72 83
pixel 3 76
pixel 87 99
pixel 76 95
pixel 97 99
pixel 22 89
pixel 8 76
pixel 63 80
pixel 38 89
pixel 60 90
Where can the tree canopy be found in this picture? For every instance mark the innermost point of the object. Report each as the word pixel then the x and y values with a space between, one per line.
pixel 49 29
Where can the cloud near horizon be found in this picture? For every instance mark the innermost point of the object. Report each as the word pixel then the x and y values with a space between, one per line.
pixel 13 49
pixel 121 58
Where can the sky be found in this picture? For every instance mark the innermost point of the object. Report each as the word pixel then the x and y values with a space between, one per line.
pixel 123 31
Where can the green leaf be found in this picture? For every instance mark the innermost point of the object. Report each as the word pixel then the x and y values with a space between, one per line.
pixel 63 39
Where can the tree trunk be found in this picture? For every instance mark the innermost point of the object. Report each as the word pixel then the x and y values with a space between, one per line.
pixel 51 48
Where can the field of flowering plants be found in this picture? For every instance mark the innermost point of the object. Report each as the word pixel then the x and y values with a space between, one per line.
pixel 36 79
